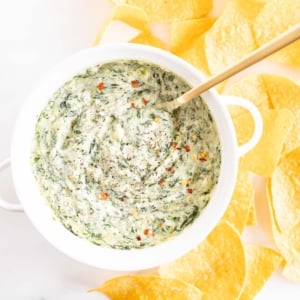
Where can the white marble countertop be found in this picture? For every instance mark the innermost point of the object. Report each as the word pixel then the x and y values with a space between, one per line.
pixel 34 35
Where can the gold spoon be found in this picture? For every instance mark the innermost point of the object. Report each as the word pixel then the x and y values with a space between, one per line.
pixel 267 49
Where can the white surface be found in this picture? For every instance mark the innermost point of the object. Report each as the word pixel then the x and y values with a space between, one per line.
pixel 34 35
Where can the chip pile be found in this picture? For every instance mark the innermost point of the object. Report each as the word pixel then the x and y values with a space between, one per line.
pixel 223 266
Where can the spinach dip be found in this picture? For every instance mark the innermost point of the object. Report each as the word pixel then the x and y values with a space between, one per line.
pixel 115 169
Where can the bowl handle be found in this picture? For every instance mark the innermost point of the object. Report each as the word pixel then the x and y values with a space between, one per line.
pixel 3 203
pixel 258 123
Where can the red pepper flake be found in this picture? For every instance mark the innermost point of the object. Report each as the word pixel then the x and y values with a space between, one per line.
pixel 178 148
pixel 145 101
pixel 203 156
pixel 103 196
pixel 187 148
pixel 169 169
pixel 100 86
pixel 190 191
pixel 174 145
pixel 132 104
pixel 161 224
pixel 146 231
pixel 161 181
pixel 135 84
pixel 138 238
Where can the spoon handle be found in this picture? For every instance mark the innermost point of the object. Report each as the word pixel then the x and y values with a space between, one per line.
pixel 267 49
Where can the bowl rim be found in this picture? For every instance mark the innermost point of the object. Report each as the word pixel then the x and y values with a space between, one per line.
pixel 40 213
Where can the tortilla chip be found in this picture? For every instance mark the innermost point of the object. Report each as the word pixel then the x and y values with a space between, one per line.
pixel 289 55
pixel 148 287
pixel 287 241
pixel 261 263
pixel 276 17
pixel 293 139
pixel 184 33
pixel 252 88
pixel 243 125
pixel 195 55
pixel 134 17
pixel 148 38
pixel 283 92
pixel 168 10
pixel 217 266
pixel 275 228
pixel 285 191
pixel 264 157
pixel 291 272
pixel 239 207
pixel 231 37
pixel 288 244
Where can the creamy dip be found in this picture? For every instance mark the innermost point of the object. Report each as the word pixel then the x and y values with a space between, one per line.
pixel 116 170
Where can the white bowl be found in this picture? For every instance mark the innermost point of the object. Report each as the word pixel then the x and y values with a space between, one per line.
pixel 82 250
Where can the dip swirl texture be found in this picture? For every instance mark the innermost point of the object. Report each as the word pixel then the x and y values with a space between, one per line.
pixel 114 169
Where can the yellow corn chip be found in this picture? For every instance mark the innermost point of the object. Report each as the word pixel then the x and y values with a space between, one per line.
pixel 288 245
pixel 148 287
pixel 136 18
pixel 168 10
pixel 252 88
pixel 184 33
pixel 195 55
pixel 291 272
pixel 289 55
pixel 243 124
pixel 148 38
pixel 261 263
pixel 243 197
pixel 217 266
pixel 276 17
pixel 283 92
pixel 231 37
pixel 263 159
pixel 287 241
pixel 293 139
pixel 285 191
pixel 133 16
